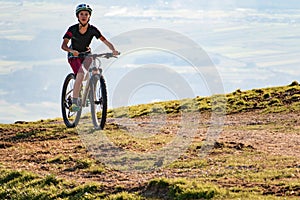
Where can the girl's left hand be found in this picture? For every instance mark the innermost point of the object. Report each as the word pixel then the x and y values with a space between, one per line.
pixel 115 53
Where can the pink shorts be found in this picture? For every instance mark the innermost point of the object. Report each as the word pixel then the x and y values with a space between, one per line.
pixel 77 63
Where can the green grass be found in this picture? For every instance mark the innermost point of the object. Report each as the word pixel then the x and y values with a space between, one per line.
pixel 124 139
pixel 182 189
pixel 21 185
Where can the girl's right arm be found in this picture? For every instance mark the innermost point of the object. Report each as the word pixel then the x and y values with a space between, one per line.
pixel 65 47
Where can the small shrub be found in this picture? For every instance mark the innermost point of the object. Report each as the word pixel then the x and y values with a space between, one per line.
pixel 124 196
pixel 238 91
pixel 50 179
pixel 240 103
pixel 181 189
pixel 291 90
pixel 267 96
pixel 220 109
pixel 231 100
pixel 294 83
pixel 10 176
pixel 83 164
pixel 274 102
pixel 80 191
pixel 295 97
pixel 97 169
pixel 157 109
pixel 60 159
pixel 259 91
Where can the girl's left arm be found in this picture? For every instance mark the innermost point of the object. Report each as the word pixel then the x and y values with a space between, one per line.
pixel 111 47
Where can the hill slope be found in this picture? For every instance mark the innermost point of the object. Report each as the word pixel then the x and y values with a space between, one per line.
pixel 255 155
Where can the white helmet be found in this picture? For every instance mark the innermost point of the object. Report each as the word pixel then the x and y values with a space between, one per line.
pixel 82 7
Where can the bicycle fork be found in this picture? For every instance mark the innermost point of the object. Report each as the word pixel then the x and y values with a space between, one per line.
pixel 85 93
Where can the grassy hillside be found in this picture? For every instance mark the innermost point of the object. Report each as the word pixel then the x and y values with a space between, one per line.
pixel 255 157
pixel 273 99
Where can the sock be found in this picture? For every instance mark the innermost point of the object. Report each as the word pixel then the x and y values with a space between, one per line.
pixel 75 101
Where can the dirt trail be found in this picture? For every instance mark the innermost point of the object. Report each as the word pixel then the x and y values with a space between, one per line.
pixel 275 133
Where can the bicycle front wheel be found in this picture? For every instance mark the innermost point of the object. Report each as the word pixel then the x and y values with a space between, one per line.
pixel 71 119
pixel 98 100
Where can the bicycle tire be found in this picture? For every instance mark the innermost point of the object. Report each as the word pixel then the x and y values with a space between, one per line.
pixel 98 101
pixel 71 119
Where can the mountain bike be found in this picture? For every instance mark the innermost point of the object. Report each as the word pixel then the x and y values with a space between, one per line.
pixel 93 93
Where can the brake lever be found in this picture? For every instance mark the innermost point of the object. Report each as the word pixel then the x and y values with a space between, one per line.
pixel 110 55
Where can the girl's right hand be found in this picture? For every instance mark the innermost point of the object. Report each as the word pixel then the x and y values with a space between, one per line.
pixel 74 52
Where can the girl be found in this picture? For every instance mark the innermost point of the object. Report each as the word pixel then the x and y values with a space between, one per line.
pixel 81 35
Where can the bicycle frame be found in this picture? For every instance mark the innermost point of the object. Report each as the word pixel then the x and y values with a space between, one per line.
pixel 87 78
pixel 93 69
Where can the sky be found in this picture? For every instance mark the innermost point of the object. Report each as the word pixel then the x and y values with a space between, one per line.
pixel 244 44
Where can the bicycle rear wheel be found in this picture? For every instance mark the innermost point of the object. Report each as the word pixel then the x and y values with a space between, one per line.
pixel 71 119
pixel 98 100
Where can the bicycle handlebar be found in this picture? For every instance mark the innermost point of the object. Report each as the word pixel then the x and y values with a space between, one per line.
pixel 102 55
